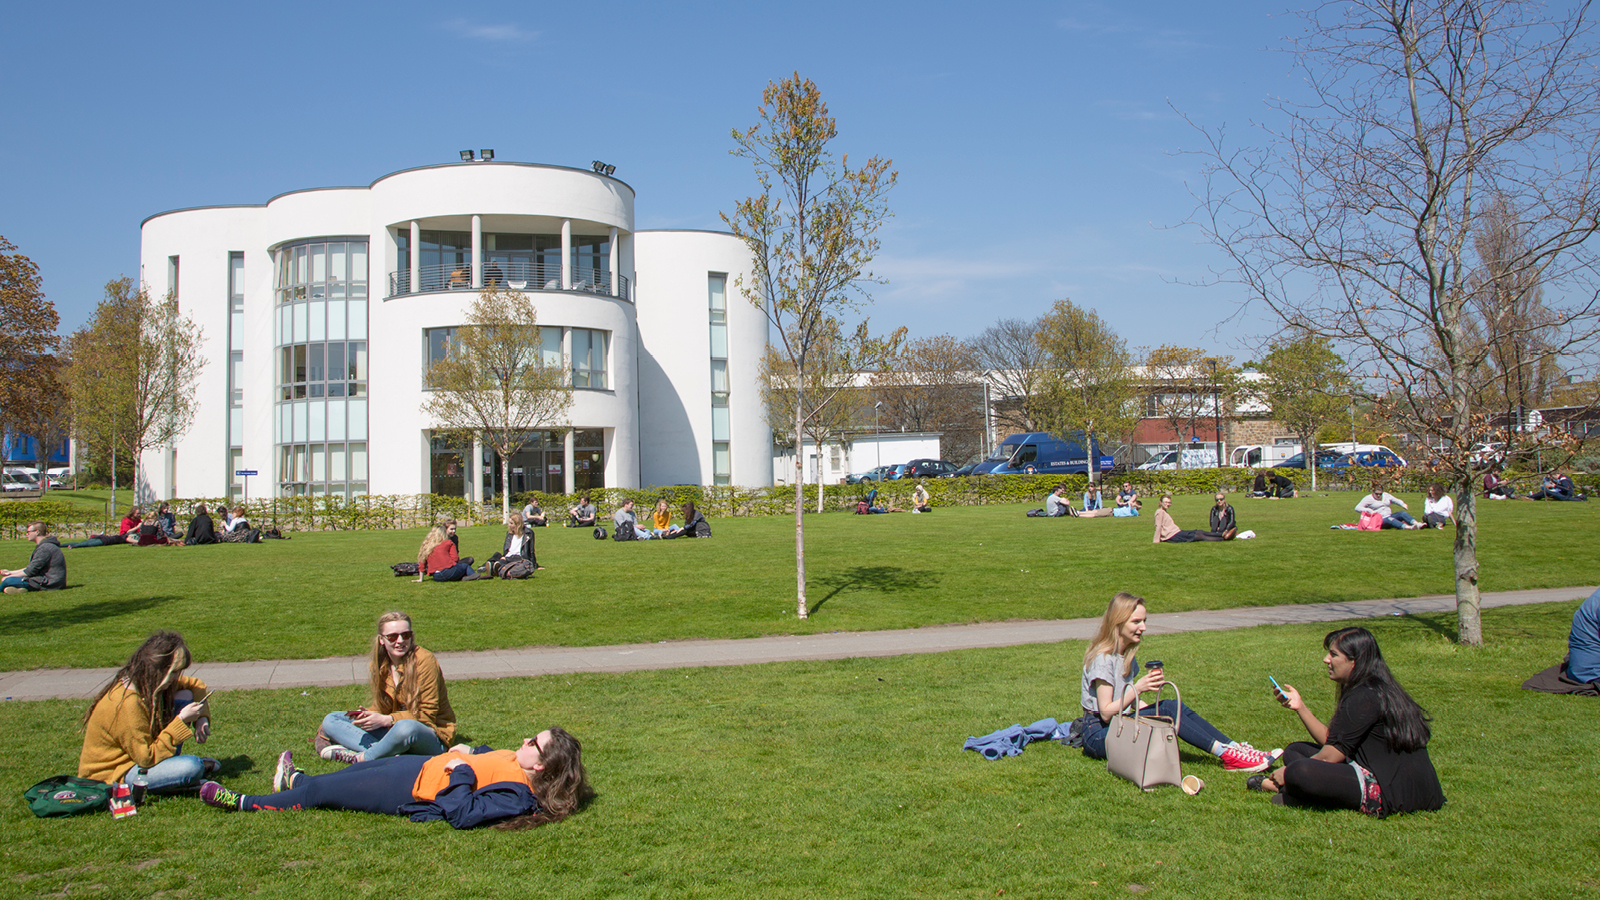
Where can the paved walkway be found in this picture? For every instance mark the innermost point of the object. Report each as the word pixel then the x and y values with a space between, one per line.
pixel 40 684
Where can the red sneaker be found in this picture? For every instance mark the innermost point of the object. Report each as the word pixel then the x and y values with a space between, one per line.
pixel 1240 758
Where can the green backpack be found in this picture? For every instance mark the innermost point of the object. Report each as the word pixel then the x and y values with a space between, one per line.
pixel 64 795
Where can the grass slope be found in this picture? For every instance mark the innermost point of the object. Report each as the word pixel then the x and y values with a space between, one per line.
pixel 846 779
pixel 318 594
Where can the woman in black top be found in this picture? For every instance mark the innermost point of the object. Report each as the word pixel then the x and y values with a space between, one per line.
pixel 1373 754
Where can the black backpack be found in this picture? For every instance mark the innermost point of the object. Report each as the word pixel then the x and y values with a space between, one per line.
pixel 624 532
pixel 514 567
pixel 599 533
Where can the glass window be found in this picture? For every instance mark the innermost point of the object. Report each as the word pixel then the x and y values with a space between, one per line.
pixel 719 382
pixel 719 340
pixel 236 281
pixel 439 341
pixel 721 463
pixel 299 363
pixel 589 352
pixel 719 297
pixel 550 346
pixel 719 423
pixel 358 360
pixel 314 363
pixel 358 462
pixel 336 262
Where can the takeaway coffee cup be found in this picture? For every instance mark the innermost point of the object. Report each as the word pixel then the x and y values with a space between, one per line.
pixel 1192 785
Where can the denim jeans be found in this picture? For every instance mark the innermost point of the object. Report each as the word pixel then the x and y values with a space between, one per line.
pixel 454 573
pixel 1191 728
pixel 16 581
pixel 404 736
pixel 175 773
pixel 1398 518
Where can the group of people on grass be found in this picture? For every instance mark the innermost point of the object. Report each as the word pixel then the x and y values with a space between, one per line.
pixel 921 502
pixel 398 752
pixel 440 557
pixel 1555 486
pixel 161 530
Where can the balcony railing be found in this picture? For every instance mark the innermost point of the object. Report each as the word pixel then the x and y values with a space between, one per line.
pixel 515 274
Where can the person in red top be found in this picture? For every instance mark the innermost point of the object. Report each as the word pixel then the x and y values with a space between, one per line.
pixel 541 781
pixel 130 523
pixel 438 557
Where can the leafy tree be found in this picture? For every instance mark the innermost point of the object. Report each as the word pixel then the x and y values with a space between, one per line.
pixel 1306 387
pixel 1358 218
pixel 494 381
pixel 28 324
pixel 812 231
pixel 933 384
pixel 135 368
pixel 1008 352
pixel 1088 384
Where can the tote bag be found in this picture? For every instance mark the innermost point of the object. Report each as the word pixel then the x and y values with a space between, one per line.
pixel 1144 749
pixel 1370 521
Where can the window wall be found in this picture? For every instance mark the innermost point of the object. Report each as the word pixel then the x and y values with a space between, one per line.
pixel 721 457
pixel 235 373
pixel 590 351
pixel 588 459
pixel 321 288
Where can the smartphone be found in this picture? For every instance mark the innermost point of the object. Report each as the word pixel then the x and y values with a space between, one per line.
pixel 353 713
pixel 207 696
pixel 1277 687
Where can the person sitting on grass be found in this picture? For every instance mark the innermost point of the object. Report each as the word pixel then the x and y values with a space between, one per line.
pixel 1115 512
pixel 1556 486
pixel 126 530
pixel 141 718
pixel 46 569
pixel 694 524
pixel 1110 688
pixel 1496 486
pixel 1383 503
pixel 921 502
pixel 1439 509
pixel 1057 504
pixel 1168 532
pixel 1259 489
pixel 167 521
pixel 583 515
pixel 1372 755
pixel 518 544
pixel 1222 519
pixel 201 531
pixel 1127 495
pixel 868 506
pixel 438 557
pixel 411 708
pixel 533 515
pixel 1583 643
pixel 624 516
pixel 661 519
pixel 1283 488
pixel 1092 499
pixel 541 782
pixel 238 530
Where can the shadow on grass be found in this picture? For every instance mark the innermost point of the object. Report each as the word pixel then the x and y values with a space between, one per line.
pixel 1442 625
pixel 883 579
pixel 82 614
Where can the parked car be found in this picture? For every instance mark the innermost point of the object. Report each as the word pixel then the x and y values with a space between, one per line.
pixel 18 481
pixel 1160 462
pixel 895 472
pixel 874 474
pixel 1193 458
pixel 966 470
pixel 927 468
pixel 1347 455
pixel 1043 453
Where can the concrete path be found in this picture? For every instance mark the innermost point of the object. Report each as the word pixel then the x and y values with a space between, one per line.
pixel 40 684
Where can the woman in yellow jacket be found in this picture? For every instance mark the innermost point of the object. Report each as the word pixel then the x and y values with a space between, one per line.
pixel 411 711
pixel 140 720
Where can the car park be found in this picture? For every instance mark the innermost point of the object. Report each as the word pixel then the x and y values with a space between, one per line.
pixel 1341 456
pixel 873 474
pixel 19 481
pixel 927 468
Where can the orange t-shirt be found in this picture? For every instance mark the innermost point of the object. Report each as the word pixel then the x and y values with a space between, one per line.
pixel 489 768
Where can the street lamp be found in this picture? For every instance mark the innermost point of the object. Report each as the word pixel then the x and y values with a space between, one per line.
pixel 877 442
pixel 1216 409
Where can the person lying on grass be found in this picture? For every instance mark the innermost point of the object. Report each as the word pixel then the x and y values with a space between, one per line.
pixel 542 781
pixel 1109 688
pixel 128 528
pixel 411 708
pixel 140 720
pixel 1372 755
pixel 1117 512
pixel 1168 532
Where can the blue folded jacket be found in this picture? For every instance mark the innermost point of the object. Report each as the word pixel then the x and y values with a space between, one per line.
pixel 1010 741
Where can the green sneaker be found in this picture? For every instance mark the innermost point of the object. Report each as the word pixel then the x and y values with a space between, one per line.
pixel 213 794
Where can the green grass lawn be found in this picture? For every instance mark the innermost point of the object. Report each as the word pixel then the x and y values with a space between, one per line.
pixel 846 779
pixel 318 594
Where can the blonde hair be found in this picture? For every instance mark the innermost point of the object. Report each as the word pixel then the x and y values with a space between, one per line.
pixel 1117 614
pixel 432 539
pixel 381 665
pixel 514 523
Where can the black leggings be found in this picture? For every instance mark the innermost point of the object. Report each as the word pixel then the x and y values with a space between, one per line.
pixel 1314 782
pixel 1185 537
pixel 376 786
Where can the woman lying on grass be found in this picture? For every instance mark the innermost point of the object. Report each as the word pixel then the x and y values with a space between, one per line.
pixel 411 709
pixel 1373 754
pixel 541 781
pixel 1110 689
pixel 140 720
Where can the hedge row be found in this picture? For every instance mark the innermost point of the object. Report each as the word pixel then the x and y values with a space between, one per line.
pixel 398 511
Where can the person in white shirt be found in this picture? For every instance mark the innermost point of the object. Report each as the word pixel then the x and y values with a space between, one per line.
pixel 1438 510
pixel 1383 503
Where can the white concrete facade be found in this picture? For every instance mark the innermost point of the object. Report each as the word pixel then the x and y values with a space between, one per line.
pixel 284 407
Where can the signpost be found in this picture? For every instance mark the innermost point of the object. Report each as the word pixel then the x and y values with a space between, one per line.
pixel 245 474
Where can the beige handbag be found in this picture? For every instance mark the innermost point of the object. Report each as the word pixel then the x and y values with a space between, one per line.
pixel 1144 749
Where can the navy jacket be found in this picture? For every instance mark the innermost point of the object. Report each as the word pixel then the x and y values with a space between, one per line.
pixel 464 807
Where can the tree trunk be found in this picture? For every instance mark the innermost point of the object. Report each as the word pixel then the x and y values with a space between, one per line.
pixel 505 486
pixel 1094 458
pixel 1308 450
pixel 819 477
pixel 1469 613
pixel 799 516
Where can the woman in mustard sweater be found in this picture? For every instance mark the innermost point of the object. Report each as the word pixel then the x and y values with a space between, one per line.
pixel 411 709
pixel 140 720
pixel 541 781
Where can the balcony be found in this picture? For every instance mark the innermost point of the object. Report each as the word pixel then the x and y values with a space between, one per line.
pixel 516 274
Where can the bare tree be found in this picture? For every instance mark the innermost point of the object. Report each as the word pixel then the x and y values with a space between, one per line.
pixel 136 366
pixel 933 384
pixel 1088 384
pixel 494 381
pixel 1182 389
pixel 1357 219
pixel 1008 352
pixel 1306 387
pixel 812 232
pixel 830 390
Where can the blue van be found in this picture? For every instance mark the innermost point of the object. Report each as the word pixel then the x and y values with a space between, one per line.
pixel 1043 453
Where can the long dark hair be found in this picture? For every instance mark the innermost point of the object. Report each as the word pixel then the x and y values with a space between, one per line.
pixel 1407 722
pixel 150 672
pixel 561 786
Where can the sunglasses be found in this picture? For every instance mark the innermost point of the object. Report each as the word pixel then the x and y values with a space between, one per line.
pixel 397 636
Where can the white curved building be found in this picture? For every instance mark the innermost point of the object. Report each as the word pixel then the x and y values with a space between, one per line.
pixel 321 310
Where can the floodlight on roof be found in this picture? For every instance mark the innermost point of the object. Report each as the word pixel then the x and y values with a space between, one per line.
pixel 485 155
pixel 466 156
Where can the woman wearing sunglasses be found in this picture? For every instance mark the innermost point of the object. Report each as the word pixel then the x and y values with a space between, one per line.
pixel 410 708
pixel 541 781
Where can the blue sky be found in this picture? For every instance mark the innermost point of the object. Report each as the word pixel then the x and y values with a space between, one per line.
pixel 1037 146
